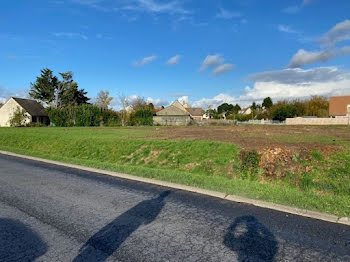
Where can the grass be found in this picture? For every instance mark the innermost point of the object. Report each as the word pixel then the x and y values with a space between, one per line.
pixel 206 164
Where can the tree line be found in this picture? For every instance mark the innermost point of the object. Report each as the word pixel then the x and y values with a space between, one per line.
pixel 67 105
pixel 316 106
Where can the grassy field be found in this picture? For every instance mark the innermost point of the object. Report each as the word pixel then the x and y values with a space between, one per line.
pixel 305 167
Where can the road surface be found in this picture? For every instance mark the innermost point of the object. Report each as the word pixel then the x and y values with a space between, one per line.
pixel 52 213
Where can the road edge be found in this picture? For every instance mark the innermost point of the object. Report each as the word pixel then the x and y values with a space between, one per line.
pixel 234 198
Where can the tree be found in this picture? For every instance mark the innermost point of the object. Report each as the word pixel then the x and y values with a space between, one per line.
pixel 44 87
pixel 18 118
pixel 284 110
pixel 317 106
pixel 103 99
pixel 236 109
pixel 253 106
pixel 267 103
pixel 48 89
pixel 225 107
pixel 124 103
pixel 68 92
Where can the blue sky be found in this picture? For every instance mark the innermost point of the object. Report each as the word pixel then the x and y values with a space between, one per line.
pixel 207 52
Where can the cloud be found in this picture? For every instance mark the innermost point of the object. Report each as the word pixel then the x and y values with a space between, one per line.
pixel 174 60
pixel 70 35
pixel 152 6
pixel 303 57
pixel 145 61
pixel 307 2
pixel 211 61
pixel 183 99
pixel 287 84
pixel 222 69
pixel 5 94
pixel 286 29
pixel 157 102
pixel 225 14
pixel 338 33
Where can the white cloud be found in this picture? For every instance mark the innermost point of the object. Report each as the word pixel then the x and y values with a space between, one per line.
pixel 286 29
pixel 222 69
pixel 157 102
pixel 303 57
pixel 338 33
pixel 307 2
pixel 70 35
pixel 211 61
pixel 287 84
pixel 145 61
pixel 152 6
pixel 183 99
pixel 173 60
pixel 226 14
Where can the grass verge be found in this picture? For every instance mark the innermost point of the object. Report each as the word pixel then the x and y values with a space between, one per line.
pixel 205 164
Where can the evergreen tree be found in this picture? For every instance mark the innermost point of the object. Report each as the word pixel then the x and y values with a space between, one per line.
pixel 44 87
pixel 267 103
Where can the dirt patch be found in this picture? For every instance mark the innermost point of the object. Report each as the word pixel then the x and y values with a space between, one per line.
pixel 281 147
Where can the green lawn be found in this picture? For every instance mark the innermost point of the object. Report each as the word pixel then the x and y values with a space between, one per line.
pixel 206 164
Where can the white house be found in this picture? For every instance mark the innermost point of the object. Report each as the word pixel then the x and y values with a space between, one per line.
pixel 245 111
pixel 34 111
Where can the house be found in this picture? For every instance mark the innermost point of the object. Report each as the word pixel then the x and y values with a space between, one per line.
pixel 339 106
pixel 245 111
pixel 196 113
pixel 173 115
pixel 178 114
pixel 35 112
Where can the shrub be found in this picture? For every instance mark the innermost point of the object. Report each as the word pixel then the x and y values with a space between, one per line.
pixel 283 111
pixel 82 115
pixel 18 118
pixel 250 160
pixel 144 116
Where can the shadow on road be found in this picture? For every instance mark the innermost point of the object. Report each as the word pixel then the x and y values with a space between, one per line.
pixel 102 245
pixel 251 240
pixel 18 242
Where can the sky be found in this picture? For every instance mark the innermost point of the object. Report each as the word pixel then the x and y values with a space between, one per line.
pixel 205 52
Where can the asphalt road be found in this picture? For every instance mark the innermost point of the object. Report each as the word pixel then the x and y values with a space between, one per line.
pixel 52 213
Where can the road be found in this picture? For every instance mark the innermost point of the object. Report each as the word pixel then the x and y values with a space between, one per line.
pixel 53 213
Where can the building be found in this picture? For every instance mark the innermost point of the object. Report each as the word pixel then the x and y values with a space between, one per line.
pixel 245 111
pixel 196 113
pixel 339 106
pixel 178 114
pixel 35 112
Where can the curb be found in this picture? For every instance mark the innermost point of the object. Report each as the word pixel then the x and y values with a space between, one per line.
pixel 233 198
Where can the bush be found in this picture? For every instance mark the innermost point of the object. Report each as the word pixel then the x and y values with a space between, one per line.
pixel 18 118
pixel 250 160
pixel 144 116
pixel 282 111
pixel 82 115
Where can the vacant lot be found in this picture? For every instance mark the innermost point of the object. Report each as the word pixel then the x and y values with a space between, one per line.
pixel 308 167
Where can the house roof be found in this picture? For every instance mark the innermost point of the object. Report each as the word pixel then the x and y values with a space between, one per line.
pixel 338 105
pixel 195 111
pixel 172 111
pixel 31 106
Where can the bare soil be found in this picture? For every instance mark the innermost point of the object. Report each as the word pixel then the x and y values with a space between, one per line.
pixel 280 147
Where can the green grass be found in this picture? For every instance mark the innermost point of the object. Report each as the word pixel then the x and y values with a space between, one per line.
pixel 206 164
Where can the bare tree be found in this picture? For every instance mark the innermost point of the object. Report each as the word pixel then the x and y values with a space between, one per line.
pixel 103 99
pixel 124 102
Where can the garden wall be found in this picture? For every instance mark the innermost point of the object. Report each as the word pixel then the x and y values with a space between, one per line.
pixel 318 121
